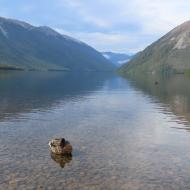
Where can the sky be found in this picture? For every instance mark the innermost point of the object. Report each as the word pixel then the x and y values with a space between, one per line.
pixel 125 26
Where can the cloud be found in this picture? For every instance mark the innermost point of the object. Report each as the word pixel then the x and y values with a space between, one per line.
pixel 117 25
pixel 27 8
pixel 137 23
pixel 154 16
pixel 159 16
pixel 85 12
pixel 108 41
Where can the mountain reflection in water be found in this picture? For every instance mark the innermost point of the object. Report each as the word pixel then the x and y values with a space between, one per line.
pixel 123 132
pixel 33 91
pixel 172 92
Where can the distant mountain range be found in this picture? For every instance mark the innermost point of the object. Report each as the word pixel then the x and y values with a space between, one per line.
pixel 26 47
pixel 170 54
pixel 117 58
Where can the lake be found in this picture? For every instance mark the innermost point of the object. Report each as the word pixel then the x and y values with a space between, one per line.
pixel 127 133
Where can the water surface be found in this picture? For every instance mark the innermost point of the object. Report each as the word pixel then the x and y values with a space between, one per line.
pixel 125 132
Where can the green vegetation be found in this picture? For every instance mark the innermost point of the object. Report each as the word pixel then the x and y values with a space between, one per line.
pixel 170 54
pixel 26 47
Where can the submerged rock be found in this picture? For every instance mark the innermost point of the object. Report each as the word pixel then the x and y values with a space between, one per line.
pixel 60 146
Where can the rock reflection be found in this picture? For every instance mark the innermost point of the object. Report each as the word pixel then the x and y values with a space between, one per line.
pixel 62 160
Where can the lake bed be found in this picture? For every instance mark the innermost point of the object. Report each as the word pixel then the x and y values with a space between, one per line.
pixel 125 133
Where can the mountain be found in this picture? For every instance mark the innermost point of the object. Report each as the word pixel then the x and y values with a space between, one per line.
pixel 26 47
pixel 170 54
pixel 117 58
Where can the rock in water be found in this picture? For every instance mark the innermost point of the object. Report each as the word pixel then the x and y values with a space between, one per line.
pixel 60 146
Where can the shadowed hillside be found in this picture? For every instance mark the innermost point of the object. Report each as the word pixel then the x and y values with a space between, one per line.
pixel 25 47
pixel 170 54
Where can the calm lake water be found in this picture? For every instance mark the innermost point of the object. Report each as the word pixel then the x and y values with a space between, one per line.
pixel 127 134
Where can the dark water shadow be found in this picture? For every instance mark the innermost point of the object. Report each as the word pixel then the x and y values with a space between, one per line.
pixel 23 92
